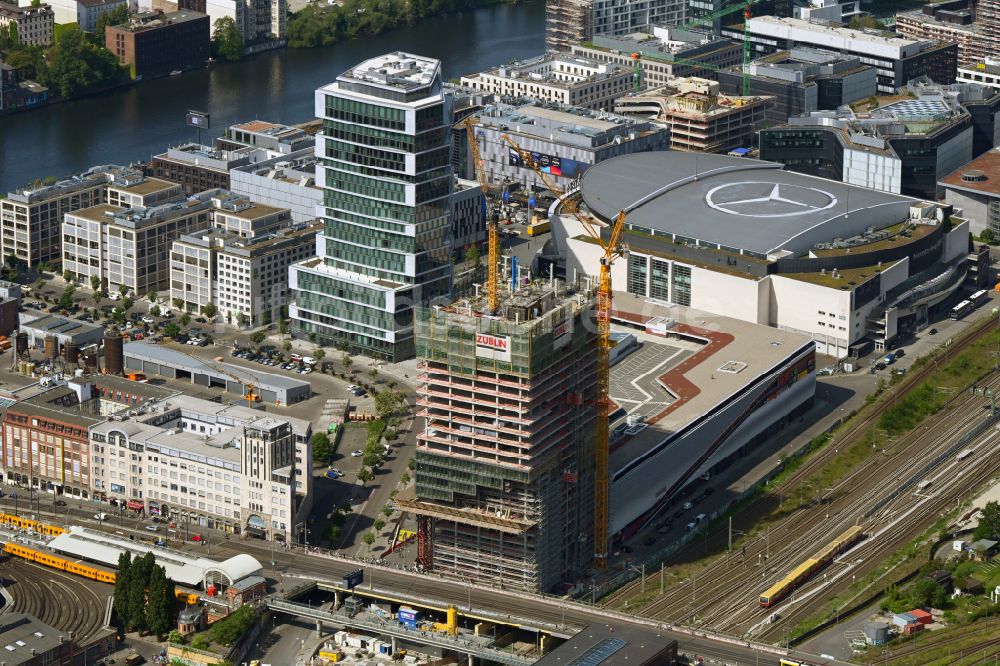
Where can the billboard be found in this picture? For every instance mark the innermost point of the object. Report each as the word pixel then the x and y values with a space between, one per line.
pixel 496 347
pixel 199 119
pixel 550 164
pixel 354 578
pixel 563 333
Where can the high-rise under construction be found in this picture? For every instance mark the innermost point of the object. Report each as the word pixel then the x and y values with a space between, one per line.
pixel 504 467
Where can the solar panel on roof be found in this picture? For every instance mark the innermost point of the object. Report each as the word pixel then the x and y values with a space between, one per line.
pixel 599 653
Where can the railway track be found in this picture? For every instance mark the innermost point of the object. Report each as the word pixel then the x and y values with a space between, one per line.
pixel 36 589
pixel 722 609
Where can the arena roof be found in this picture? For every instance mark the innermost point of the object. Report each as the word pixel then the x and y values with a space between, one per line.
pixel 734 203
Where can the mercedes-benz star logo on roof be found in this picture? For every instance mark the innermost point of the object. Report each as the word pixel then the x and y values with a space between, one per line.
pixel 757 199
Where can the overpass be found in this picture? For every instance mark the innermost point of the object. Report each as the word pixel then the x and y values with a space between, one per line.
pixel 474 646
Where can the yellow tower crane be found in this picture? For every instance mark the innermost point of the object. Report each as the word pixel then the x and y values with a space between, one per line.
pixel 492 221
pixel 613 248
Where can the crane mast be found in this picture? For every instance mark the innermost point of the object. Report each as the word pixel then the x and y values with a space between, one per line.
pixel 492 221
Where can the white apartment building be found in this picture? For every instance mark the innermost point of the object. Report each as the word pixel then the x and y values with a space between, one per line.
pixel 258 21
pixel 286 181
pixel 565 79
pixel 84 12
pixel 245 278
pixel 202 464
pixel 34 24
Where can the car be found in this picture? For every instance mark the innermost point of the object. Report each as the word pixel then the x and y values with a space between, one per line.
pixel 196 537
pixel 332 474
pixel 201 320
pixel 295 357
pixel 152 528
pixel 161 543
pixel 689 527
pixel 700 517
pixel 155 519
pixel 60 502
pixel 357 453
pixel 338 472
pixel 100 516
pixel 889 359
pixel 687 505
pixel 302 370
pixel 306 371
pixel 933 331
pixel 880 366
pixel 309 360
pixel 900 353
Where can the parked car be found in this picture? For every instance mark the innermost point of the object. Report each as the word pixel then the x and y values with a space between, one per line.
pixel 295 357
pixel 99 516
pixel 332 474
pixel 60 502
pixel 196 537
pixel 357 453
pixel 933 331
pixel 152 528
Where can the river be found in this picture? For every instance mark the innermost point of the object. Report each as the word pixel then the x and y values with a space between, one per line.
pixel 134 123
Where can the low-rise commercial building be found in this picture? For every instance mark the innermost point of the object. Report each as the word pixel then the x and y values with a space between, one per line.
pixel 198 168
pixel 245 278
pixel 38 326
pixel 84 13
pixel 949 21
pixel 833 11
pixel 286 181
pixel 565 142
pixel 803 80
pixel 34 25
pixel 156 43
pixel 898 60
pixel 567 80
pixel 974 189
pixel 665 53
pixel 698 116
pixel 274 139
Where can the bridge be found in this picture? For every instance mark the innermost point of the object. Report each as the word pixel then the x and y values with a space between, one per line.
pixel 474 646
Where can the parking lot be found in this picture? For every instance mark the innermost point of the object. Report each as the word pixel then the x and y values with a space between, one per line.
pixel 634 383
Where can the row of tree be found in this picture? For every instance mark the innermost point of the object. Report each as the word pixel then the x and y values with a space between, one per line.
pixel 144 596
pixel 323 26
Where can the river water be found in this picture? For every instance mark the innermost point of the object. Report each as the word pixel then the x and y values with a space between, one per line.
pixel 137 122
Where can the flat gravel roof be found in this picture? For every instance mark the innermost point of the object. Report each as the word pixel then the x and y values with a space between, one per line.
pixel 734 202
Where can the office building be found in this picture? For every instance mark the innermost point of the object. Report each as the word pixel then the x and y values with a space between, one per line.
pixel 261 23
pixel 130 247
pixel 198 168
pixel 949 21
pixel 898 60
pixel 30 642
pixel 468 216
pixel 987 13
pixel 803 80
pixel 84 12
pixel 274 139
pixel 156 44
pixel 34 25
pixel 245 278
pixel 31 216
pixel 385 246
pixel 830 11
pixel 569 22
pixel 905 146
pixel 665 53
pixel 504 467
pixel 285 181
pixel 564 79
pixel 698 116
pixel 565 142
pixel 974 189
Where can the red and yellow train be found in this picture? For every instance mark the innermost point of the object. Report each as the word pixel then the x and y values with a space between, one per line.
pixel 80 569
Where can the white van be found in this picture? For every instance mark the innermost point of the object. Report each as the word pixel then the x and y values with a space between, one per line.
pixel 700 517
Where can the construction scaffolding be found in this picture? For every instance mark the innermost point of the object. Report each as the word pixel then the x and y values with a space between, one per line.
pixel 568 22
pixel 504 473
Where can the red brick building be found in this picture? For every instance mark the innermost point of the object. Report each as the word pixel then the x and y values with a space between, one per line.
pixel 156 43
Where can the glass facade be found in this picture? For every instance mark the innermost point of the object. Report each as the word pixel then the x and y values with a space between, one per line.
pixel 659 286
pixel 387 183
pixel 682 285
pixel 637 274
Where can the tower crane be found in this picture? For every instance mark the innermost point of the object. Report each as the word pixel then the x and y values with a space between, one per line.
pixel 249 396
pixel 492 221
pixel 613 248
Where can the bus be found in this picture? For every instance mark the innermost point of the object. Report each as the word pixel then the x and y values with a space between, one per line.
pixel 960 310
pixel 979 298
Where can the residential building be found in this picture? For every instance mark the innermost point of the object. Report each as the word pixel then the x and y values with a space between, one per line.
pixel 286 181
pixel 247 219
pixel 897 59
pixel 468 216
pixel 665 53
pixel 698 116
pixel 565 141
pixel 716 16
pixel 199 168
pixel 385 246
pixel 84 12
pixel 984 73
pixel 568 80
pixel 30 217
pixel 130 189
pixel 16 93
pixel 34 24
pixel 273 138
pixel 905 146
pixel 974 189
pixel 130 247
pixel 987 14
pixel 803 80
pixel 949 21
pixel 259 22
pixel 569 22
pixel 504 466
pixel 156 43
pixel 10 305
pixel 832 11
pixel 245 278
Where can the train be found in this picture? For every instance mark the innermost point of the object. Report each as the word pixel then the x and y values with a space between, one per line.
pixel 85 570
pixel 11 520
pixel 819 559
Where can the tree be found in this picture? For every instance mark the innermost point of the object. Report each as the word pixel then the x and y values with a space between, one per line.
pixel 369 538
pixel 171 330
pixel 862 22
pixel 118 315
pixel 175 637
pixel 473 255
pixel 387 510
pixel 927 593
pixel 378 524
pixel 98 296
pixel 121 584
pixel 388 402
pixel 257 337
pixel 179 303
pixel 68 275
pixel 116 16
pixel 66 298
pixel 989 524
pixel 77 65
pixel 287 346
pixel 155 311
pixel 12 30
pixel 282 327
pixel 123 289
pixel 242 320
pixel 321 446
pixel 152 296
pixel 159 602
pixel 209 310
pixel 127 303
pixel 138 584
pixel 319 354
pixel 227 42
pixel 332 533
pixel 234 625
pixel 95 282
pixel 987 236
pixel 312 337
pixel 185 319
pixel 365 475
pixel 39 285
pixel 200 642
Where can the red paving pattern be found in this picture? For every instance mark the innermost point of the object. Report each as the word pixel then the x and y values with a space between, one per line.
pixel 674 378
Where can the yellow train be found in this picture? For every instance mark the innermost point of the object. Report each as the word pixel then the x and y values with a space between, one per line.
pixel 801 573
pixel 80 569
pixel 11 520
